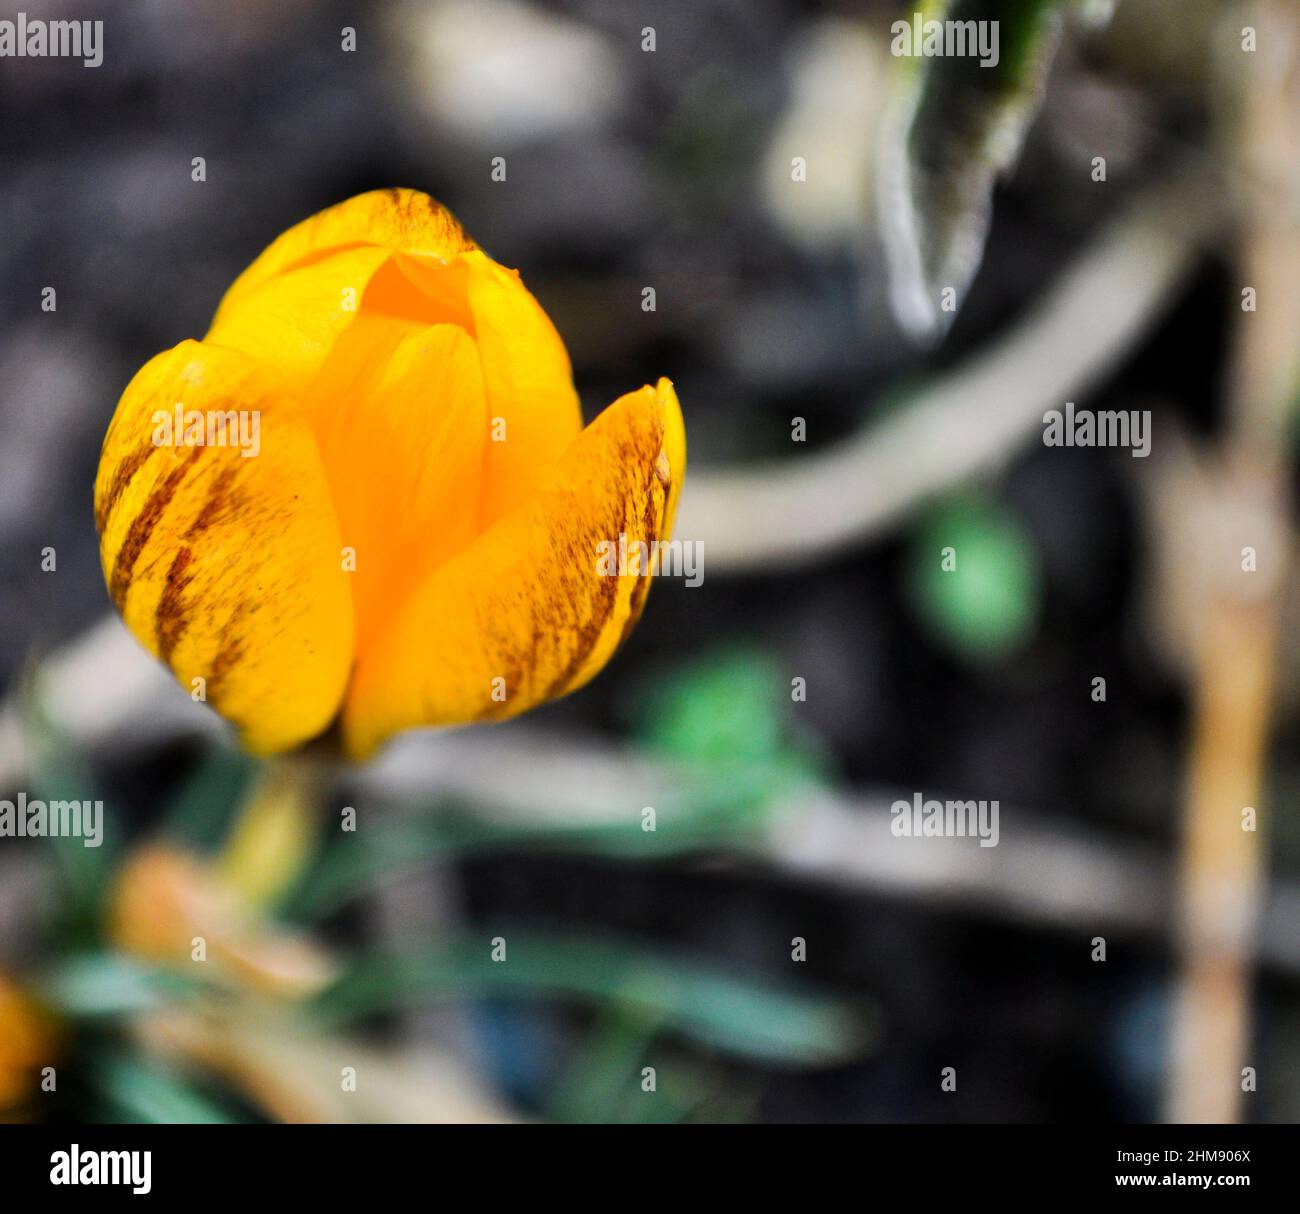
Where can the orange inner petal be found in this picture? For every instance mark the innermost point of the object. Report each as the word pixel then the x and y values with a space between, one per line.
pixel 439 409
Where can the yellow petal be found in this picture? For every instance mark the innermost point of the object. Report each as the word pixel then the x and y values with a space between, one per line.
pixel 527 602
pixel 529 385
pixel 423 289
pixel 227 567
pixel 290 322
pixel 532 406
pixel 396 219
pixel 399 417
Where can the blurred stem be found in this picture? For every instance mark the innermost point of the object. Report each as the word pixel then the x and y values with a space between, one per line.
pixel 274 837
pixel 1222 864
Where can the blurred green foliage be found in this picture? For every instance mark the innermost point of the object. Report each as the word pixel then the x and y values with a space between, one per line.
pixel 986 605
pixel 751 1017
pixel 721 724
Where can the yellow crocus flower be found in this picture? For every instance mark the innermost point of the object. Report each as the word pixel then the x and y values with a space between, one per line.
pixel 367 493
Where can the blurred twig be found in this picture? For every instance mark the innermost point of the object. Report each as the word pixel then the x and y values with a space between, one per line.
pixel 1042 871
pixel 968 422
pixel 1221 872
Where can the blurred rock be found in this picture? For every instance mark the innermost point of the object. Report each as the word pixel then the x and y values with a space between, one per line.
pixel 501 73
pixel 837 83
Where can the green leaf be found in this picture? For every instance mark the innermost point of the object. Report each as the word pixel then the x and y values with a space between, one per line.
pixel 142 1093
pixel 210 797
pixel 107 984
pixel 59 774
pixel 752 1017
pixel 595 1085
pixel 953 126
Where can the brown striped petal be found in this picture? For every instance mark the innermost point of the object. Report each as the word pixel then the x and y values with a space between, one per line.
pixel 526 613
pixel 223 554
